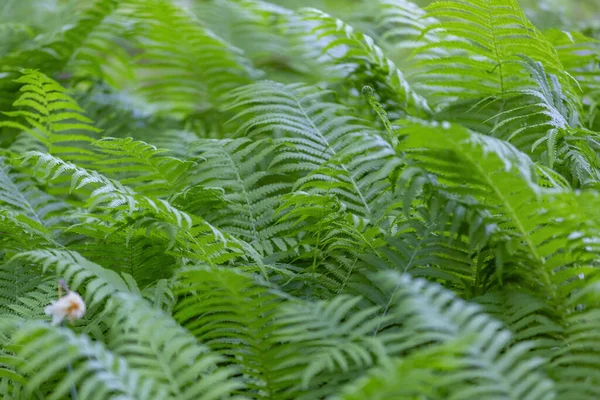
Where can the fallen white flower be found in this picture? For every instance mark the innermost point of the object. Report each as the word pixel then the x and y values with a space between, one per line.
pixel 71 306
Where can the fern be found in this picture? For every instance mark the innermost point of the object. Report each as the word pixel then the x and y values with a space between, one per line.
pixel 323 136
pixel 493 33
pixel 357 57
pixel 197 63
pixel 178 362
pixel 260 199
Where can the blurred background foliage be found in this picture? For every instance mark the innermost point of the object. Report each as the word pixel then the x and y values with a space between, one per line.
pixel 546 14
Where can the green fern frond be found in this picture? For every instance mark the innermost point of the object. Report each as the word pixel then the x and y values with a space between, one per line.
pixel 400 24
pixel 192 236
pixel 176 361
pixel 339 153
pixel 21 194
pixel 486 366
pixel 181 61
pixel 503 181
pixel 234 316
pixel 140 165
pixel 99 283
pixel 487 38
pixel 433 244
pixel 328 240
pixel 96 372
pixel 270 204
pixel 251 191
pixel 574 365
pixel 21 233
pixel 15 33
pixel 16 281
pixel 526 315
pixel 355 57
pixel 335 340
pixel 406 377
pixel 579 55
pixel 247 24
pixel 495 168
pixel 50 115
pixel 104 51
pixel 124 251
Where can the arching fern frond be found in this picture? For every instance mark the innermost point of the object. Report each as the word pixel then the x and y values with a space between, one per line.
pixel 488 37
pixel 432 316
pixel 99 283
pixel 50 115
pixel 54 54
pixel 20 233
pixel 400 24
pixel 580 56
pixel 503 180
pixel 15 34
pixel 355 57
pixel 328 240
pixel 16 281
pixel 251 190
pixel 20 193
pixel 335 340
pixel 96 372
pixel 250 25
pixel 339 153
pixel 234 316
pixel 407 377
pixel 190 235
pixel 145 257
pixel 183 67
pixel 140 165
pixel 165 353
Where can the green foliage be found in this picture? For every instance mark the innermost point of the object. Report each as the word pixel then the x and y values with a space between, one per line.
pixel 379 201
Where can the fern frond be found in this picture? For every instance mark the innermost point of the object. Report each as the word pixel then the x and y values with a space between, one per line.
pixel 338 152
pixel 21 194
pixel 494 168
pixel 247 24
pixel 406 377
pixel 140 165
pixel 485 368
pixel 487 37
pixel 355 57
pixel 100 283
pixel 50 115
pixel 580 56
pixel 328 240
pixel 16 281
pixel 96 372
pixel 234 316
pixel 400 24
pixel 267 203
pixel 124 251
pixel 15 33
pixel 335 340
pixel 192 236
pixel 165 353
pixel 54 53
pixel 20 233
pixel 251 191
pixel 184 68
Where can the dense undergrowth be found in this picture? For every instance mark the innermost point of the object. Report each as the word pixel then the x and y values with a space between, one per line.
pixel 257 202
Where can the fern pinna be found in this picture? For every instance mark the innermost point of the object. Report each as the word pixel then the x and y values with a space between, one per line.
pixel 247 199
